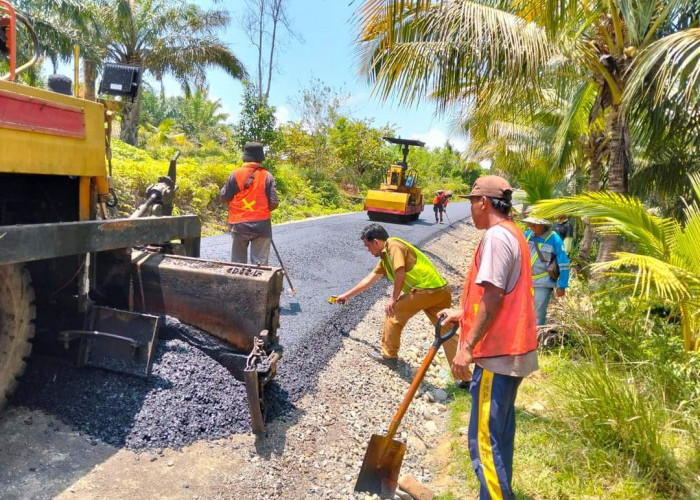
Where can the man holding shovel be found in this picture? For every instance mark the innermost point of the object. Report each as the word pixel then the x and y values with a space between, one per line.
pixel 417 287
pixel 498 334
pixel 251 194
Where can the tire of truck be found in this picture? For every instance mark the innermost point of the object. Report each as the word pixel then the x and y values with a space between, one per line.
pixel 17 313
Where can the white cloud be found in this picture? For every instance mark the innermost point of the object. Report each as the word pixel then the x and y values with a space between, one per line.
pixel 436 138
pixel 282 115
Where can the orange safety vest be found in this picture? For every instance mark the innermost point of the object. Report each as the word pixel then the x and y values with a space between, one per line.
pixel 249 204
pixel 514 330
pixel 439 199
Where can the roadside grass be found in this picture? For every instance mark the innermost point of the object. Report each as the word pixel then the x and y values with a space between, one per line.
pixel 609 423
pixel 199 179
pixel 551 461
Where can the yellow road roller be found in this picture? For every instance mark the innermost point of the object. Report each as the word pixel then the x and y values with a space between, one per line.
pixel 398 199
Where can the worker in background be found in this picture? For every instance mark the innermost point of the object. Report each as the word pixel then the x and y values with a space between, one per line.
pixel 440 204
pixel 565 229
pixel 417 287
pixel 497 333
pixel 549 249
pixel 251 194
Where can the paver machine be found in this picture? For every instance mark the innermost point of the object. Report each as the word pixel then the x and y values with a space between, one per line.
pixel 399 199
pixel 78 284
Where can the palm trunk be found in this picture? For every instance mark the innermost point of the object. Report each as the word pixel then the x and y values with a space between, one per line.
pixel 130 120
pixel 618 172
pixel 89 77
pixel 596 150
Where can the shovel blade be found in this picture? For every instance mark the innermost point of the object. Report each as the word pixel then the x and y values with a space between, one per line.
pixel 381 466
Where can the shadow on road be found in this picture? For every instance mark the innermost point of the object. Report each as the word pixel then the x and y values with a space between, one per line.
pixel 40 456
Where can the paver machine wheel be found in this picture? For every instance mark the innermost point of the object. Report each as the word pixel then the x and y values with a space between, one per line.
pixel 17 314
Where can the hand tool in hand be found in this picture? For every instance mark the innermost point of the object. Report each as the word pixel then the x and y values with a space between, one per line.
pixel 382 463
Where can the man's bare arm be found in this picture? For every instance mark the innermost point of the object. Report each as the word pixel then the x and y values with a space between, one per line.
pixel 361 286
pixel 489 305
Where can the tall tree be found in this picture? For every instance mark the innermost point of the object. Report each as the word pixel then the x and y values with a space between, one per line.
pixel 258 122
pixel 264 22
pixel 318 105
pixel 165 37
pixel 453 50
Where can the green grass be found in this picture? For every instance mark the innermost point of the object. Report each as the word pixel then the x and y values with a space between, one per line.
pixel 199 180
pixel 583 432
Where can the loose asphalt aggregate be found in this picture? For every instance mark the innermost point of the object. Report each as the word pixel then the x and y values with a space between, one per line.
pixel 190 396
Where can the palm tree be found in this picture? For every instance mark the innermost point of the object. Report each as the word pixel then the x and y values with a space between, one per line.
pixel 164 37
pixel 198 116
pixel 633 53
pixel 666 259
pixel 60 24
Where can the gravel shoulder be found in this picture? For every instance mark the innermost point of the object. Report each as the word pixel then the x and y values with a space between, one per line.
pixel 316 449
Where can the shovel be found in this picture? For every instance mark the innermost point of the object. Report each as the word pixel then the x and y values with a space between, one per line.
pixel 274 247
pixel 448 218
pixel 382 463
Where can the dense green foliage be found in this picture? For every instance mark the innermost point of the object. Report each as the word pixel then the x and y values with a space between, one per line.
pixel 321 170
pixel 257 122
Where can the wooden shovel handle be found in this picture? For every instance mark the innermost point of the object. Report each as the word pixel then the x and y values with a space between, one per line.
pixel 420 374
pixel 411 392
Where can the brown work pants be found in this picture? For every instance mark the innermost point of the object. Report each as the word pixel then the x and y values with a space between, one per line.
pixel 409 304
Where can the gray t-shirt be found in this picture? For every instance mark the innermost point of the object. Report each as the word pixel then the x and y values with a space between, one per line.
pixel 500 265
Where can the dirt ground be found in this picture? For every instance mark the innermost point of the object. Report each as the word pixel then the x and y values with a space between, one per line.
pixel 314 452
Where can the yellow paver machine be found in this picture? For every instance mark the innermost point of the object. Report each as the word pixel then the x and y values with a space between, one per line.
pixel 399 199
pixel 75 282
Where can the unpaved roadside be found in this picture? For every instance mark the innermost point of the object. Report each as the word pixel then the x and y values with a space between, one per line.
pixel 316 450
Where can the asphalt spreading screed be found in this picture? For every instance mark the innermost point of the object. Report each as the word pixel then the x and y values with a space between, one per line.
pixel 189 395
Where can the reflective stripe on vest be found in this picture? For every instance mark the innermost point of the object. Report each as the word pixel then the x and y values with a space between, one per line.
pixel 423 275
pixel 249 204
pixel 534 258
pixel 514 330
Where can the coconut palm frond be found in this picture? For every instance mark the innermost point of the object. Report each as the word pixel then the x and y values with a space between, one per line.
pixel 575 120
pixel 695 184
pixel 538 183
pixel 670 68
pixel 688 240
pixel 619 214
pixel 412 48
pixel 653 275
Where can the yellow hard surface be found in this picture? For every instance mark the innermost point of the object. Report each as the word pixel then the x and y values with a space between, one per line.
pixel 39 153
pixel 388 200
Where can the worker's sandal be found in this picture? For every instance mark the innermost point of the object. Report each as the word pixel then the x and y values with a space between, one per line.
pixel 390 362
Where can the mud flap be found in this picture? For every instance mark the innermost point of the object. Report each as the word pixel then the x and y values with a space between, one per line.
pixel 116 340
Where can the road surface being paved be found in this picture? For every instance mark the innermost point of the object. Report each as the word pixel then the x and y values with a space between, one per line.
pixel 191 397
pixel 325 257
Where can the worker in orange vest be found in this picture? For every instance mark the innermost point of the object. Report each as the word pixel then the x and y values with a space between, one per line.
pixel 498 334
pixel 251 194
pixel 440 203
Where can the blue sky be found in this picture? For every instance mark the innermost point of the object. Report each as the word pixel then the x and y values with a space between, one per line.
pixel 327 52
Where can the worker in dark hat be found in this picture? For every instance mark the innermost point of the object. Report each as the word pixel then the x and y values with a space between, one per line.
pixel 251 194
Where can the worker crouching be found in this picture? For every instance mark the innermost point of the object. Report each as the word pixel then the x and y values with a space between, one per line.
pixel 417 287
